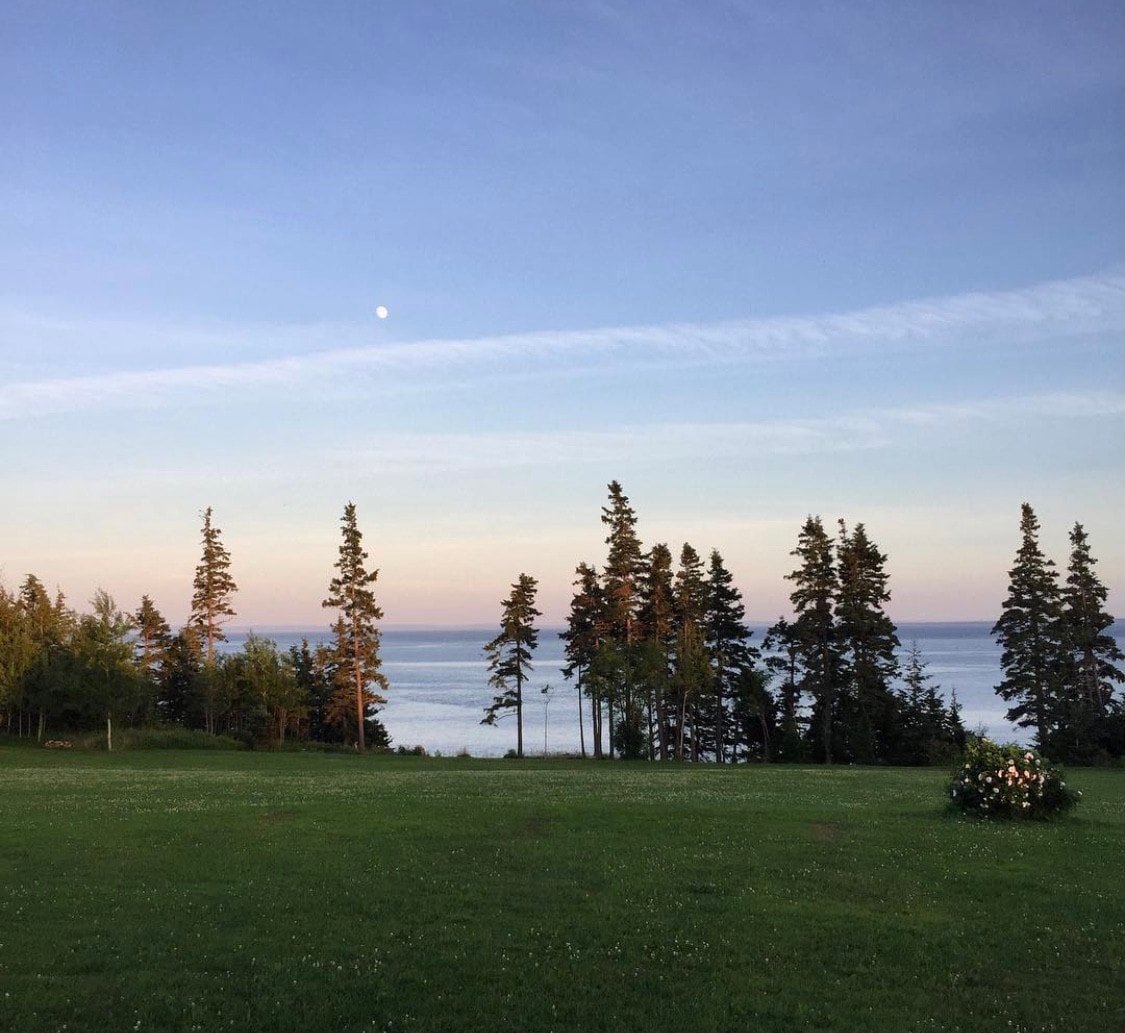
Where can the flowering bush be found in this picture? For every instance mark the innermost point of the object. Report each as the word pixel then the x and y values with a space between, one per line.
pixel 1009 782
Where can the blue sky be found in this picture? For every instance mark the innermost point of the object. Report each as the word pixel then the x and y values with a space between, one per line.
pixel 753 260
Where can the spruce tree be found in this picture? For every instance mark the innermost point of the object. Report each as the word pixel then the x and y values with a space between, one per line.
pixel 813 597
pixel 357 629
pixel 784 653
pixel 925 731
pixel 866 640
pixel 691 668
pixel 657 630
pixel 582 637
pixel 153 637
pixel 1031 634
pixel 509 654
pixel 1092 656
pixel 728 642
pixel 214 586
pixel 621 584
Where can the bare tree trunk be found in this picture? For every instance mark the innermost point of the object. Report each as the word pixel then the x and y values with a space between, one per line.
pixel 42 725
pixel 108 732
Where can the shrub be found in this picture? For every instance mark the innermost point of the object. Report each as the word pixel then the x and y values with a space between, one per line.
pixel 412 751
pixel 1008 782
pixel 174 739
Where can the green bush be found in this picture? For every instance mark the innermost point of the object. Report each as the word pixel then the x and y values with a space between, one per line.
pixel 174 739
pixel 1008 782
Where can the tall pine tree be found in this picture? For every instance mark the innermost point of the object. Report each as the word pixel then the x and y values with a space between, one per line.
pixel 509 654
pixel 357 630
pixel 728 642
pixel 210 605
pixel 814 629
pixel 1030 632
pixel 582 638
pixel 1092 657
pixel 692 673
pixel 621 584
pixel 657 647
pixel 866 639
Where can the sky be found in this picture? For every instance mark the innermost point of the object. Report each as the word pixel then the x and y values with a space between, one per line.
pixel 755 261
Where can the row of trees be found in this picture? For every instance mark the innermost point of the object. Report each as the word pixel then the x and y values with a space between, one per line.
pixel 62 670
pixel 1060 664
pixel 660 654
pixel 663 656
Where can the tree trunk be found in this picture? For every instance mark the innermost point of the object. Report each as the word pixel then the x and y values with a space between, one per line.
pixel 108 732
pixel 519 713
pixel 361 741
pixel 720 713
pixel 649 707
pixel 581 730
pixel 42 725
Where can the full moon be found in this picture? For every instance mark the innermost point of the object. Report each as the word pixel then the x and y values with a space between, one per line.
pixel 381 311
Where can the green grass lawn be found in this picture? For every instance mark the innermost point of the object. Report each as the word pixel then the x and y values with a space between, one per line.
pixel 207 891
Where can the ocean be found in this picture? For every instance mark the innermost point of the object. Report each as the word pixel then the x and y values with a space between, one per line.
pixel 439 685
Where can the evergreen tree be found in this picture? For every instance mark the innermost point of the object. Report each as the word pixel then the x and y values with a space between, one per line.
pixel 866 641
pixel 728 642
pixel 925 732
pixel 214 586
pixel 582 638
pixel 621 583
pixel 357 630
pixel 657 630
pixel 1031 633
pixel 692 673
pixel 784 652
pixel 154 637
pixel 754 713
pixel 181 693
pixel 509 654
pixel 312 668
pixel 815 629
pixel 1092 657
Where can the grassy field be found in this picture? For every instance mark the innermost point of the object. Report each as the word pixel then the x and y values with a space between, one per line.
pixel 198 891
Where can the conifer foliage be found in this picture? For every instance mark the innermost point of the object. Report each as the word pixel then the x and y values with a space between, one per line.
pixel 1030 632
pixel 509 654
pixel 210 605
pixel 356 635
pixel 1060 665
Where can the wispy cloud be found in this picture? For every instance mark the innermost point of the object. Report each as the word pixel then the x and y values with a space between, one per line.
pixel 1047 311
pixel 659 443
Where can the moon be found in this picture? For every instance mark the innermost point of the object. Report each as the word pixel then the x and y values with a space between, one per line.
pixel 381 312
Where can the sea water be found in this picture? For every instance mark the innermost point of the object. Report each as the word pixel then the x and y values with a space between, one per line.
pixel 439 685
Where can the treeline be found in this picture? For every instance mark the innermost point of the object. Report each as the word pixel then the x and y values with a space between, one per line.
pixel 660 650
pixel 657 646
pixel 63 671
pixel 1060 662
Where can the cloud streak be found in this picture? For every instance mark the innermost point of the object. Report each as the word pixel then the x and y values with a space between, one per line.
pixel 1057 309
pixel 661 443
